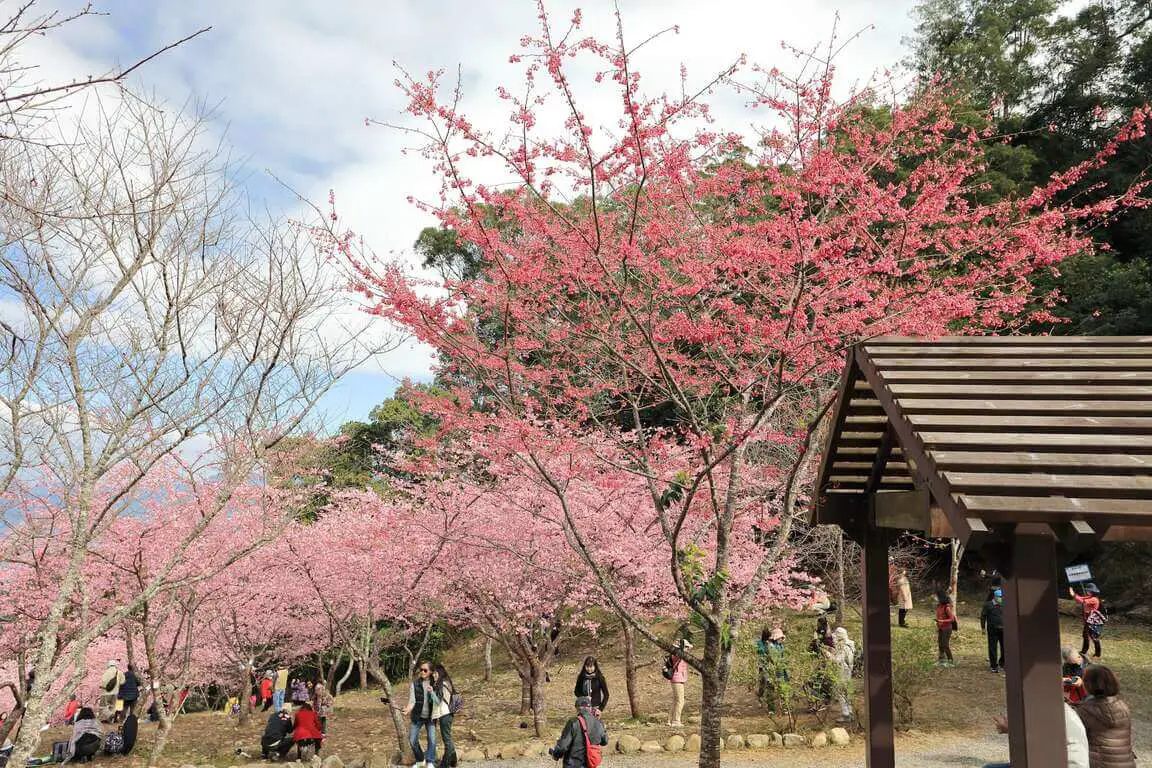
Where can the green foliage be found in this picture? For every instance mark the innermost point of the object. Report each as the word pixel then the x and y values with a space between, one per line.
pixel 1062 85
pixel 440 249
pixel 913 670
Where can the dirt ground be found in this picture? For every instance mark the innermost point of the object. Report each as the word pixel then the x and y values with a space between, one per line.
pixel 953 726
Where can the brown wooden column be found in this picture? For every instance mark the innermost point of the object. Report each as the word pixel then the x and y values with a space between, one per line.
pixel 1032 652
pixel 877 649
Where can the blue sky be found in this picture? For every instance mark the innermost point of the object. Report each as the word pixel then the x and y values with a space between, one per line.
pixel 290 82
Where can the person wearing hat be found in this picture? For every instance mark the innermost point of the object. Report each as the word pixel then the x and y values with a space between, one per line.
pixel 110 683
pixel 278 733
pixel 266 690
pixel 842 655
pixel 580 732
pixel 1093 617
pixel 773 670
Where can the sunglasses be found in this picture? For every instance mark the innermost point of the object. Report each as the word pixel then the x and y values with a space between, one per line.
pixel 424 671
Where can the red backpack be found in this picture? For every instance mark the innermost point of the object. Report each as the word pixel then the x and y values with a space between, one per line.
pixel 592 751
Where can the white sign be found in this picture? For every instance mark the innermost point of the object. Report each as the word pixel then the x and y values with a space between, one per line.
pixel 1078 573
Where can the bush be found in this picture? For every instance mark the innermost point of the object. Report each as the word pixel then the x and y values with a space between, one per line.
pixel 913 670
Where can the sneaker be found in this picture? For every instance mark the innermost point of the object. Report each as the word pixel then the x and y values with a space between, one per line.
pixel 994 670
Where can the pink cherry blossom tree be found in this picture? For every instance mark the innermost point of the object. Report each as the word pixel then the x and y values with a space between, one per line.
pixel 661 296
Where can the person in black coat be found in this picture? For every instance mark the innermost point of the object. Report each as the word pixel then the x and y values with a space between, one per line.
pixel 129 692
pixel 992 624
pixel 590 682
pixel 570 748
pixel 278 734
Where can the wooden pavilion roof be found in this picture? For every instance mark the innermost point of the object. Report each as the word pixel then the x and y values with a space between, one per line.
pixel 995 431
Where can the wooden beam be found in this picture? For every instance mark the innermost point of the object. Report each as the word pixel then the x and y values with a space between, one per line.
pixel 1032 652
pixel 1075 535
pixel 880 463
pixel 904 510
pixel 913 448
pixel 881 751
pixel 844 394
pixel 1127 533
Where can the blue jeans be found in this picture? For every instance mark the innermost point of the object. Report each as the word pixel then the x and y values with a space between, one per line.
pixel 414 739
pixel 277 699
pixel 998 765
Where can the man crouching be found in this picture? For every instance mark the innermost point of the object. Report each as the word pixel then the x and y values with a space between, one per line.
pixel 582 737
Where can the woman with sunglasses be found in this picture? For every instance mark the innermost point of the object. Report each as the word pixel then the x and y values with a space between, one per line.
pixel 419 710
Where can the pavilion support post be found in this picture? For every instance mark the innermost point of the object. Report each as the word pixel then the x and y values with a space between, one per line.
pixel 1032 652
pixel 877 649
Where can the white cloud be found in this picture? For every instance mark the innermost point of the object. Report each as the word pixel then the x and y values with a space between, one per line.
pixel 293 80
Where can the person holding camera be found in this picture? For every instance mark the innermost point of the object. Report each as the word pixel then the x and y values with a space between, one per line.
pixel 582 737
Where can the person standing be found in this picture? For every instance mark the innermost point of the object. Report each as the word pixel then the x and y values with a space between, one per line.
pixel 299 691
pixel 266 690
pixel 1093 617
pixel 992 624
pixel 279 688
pixel 444 691
pixel 677 675
pixel 590 682
pixel 1075 740
pixel 842 655
pixel 324 705
pixel 129 693
pixel 1107 720
pixel 419 712
pixel 903 597
pixel 580 733
pixel 772 666
pixel 110 683
pixel 946 624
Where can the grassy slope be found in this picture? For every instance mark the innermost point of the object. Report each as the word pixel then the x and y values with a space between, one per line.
pixel 958 705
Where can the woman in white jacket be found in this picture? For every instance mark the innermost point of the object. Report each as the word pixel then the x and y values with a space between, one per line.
pixel 842 656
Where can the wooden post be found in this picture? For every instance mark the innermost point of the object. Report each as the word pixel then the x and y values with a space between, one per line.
pixel 1032 652
pixel 877 649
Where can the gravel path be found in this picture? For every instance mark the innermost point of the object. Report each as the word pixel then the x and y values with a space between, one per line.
pixel 921 751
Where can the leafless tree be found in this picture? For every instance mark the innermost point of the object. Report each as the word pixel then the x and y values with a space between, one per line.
pixel 153 318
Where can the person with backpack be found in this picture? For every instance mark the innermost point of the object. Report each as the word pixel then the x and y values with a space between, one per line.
pixel 1093 617
pixel 676 672
pixel 992 624
pixel 772 668
pixel 447 704
pixel 110 683
pixel 419 711
pixel 590 682
pixel 583 737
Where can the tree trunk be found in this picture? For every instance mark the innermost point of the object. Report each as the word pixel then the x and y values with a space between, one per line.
pixel 630 669
pixel 397 709
pixel 364 676
pixel 10 722
pixel 487 659
pixel 339 684
pixel 539 704
pixel 525 693
pixel 954 570
pixel 162 731
pixel 35 709
pixel 717 665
